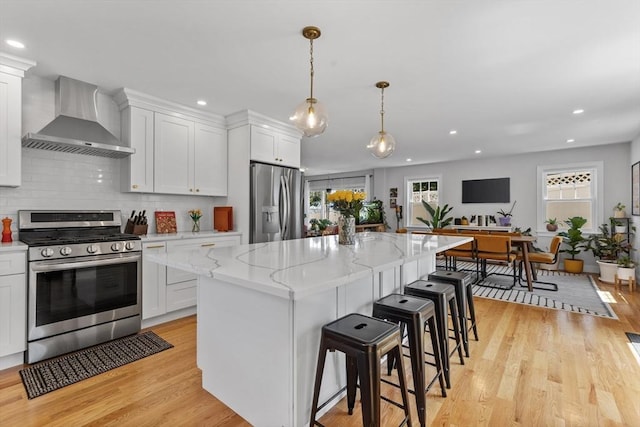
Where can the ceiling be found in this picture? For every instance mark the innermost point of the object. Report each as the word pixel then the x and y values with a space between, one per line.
pixel 506 75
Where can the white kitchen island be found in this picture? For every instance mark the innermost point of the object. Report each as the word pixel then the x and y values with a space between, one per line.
pixel 261 308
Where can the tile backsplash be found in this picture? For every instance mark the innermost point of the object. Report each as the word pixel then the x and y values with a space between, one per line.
pixel 61 181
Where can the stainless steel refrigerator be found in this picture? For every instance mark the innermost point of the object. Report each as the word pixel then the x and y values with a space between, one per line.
pixel 276 203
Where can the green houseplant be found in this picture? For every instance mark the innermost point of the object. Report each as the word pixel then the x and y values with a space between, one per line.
pixel 605 247
pixel 552 224
pixel 575 241
pixel 626 268
pixel 439 217
pixel 618 210
pixel 319 225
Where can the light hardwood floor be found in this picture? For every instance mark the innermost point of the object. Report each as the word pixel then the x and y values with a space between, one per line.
pixel 531 367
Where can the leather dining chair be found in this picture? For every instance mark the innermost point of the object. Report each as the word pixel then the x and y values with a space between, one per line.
pixel 493 247
pixel 550 257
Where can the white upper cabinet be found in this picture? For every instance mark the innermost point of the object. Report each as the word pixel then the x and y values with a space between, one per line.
pixel 137 133
pixel 179 150
pixel 272 146
pixel 210 161
pixel 12 71
pixel 173 156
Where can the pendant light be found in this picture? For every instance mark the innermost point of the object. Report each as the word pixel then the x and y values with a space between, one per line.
pixel 310 116
pixel 383 144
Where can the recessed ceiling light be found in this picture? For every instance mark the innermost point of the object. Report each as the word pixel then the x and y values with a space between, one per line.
pixel 202 102
pixel 453 132
pixel 409 159
pixel 578 111
pixel 302 169
pixel 478 151
pixel 16 44
pixel 569 141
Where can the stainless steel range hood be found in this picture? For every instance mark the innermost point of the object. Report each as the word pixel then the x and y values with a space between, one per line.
pixel 76 128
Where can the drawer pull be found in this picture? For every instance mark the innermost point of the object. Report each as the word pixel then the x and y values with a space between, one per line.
pixel 205 245
pixel 154 247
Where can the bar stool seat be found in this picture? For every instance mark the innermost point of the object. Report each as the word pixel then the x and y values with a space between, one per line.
pixel 464 296
pixel 442 294
pixel 364 340
pixel 414 314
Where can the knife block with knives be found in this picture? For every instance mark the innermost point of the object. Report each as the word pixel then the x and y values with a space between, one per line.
pixel 137 224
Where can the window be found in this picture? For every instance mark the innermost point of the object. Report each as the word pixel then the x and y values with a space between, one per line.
pixel 316 195
pixel 568 191
pixel 419 189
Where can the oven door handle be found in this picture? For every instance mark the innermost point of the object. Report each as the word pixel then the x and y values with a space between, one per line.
pixel 45 266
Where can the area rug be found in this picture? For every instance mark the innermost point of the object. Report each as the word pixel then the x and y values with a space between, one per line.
pixel 635 341
pixel 53 374
pixel 577 293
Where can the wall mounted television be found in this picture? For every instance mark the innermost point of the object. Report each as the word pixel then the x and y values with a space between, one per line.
pixel 495 190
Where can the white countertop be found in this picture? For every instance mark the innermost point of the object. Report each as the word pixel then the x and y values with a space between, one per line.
pixel 15 246
pixel 154 237
pixel 294 269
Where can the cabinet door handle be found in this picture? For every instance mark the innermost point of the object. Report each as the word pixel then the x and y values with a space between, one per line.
pixel 134 186
pixel 154 247
pixel 197 190
pixel 206 245
pixel 191 190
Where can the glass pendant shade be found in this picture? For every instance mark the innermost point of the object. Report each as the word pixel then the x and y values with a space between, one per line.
pixel 382 145
pixel 310 117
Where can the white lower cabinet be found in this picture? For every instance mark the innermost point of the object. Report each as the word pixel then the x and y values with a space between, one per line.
pixel 166 289
pixel 13 303
pixel 154 282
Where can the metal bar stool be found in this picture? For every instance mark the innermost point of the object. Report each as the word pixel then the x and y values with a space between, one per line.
pixel 414 314
pixel 464 296
pixel 441 294
pixel 364 340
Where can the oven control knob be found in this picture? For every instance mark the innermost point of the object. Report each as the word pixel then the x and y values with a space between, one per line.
pixel 47 252
pixel 130 245
pixel 116 247
pixel 65 251
pixel 92 249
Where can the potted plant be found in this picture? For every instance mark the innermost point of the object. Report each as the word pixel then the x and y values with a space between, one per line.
pixel 575 241
pixel 505 217
pixel 439 217
pixel 552 224
pixel 319 225
pixel 619 227
pixel 626 268
pixel 618 210
pixel 605 247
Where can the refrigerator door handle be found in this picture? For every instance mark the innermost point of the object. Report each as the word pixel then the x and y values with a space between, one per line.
pixel 284 211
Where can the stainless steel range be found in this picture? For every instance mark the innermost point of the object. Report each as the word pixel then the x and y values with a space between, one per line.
pixel 84 284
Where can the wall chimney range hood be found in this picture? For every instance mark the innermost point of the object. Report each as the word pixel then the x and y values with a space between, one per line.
pixel 75 128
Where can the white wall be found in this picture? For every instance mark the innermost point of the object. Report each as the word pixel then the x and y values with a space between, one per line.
pixel 633 158
pixel 53 180
pixel 522 169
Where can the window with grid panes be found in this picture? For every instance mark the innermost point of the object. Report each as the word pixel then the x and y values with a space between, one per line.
pixel 426 189
pixel 569 192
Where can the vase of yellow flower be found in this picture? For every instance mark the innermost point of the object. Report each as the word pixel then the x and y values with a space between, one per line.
pixel 195 215
pixel 348 203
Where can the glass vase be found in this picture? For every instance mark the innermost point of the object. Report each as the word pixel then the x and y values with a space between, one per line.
pixel 196 225
pixel 346 230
